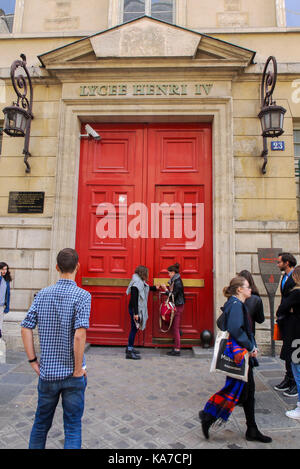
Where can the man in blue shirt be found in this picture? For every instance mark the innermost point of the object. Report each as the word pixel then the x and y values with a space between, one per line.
pixel 61 313
pixel 286 263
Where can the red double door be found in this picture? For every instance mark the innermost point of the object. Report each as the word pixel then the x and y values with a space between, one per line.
pixel 145 198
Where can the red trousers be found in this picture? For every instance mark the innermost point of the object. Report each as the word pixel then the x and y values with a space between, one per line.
pixel 176 325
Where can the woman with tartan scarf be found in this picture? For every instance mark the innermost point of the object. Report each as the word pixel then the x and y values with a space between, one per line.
pixel 236 321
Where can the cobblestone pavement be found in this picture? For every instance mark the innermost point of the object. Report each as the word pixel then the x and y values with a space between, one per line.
pixel 151 403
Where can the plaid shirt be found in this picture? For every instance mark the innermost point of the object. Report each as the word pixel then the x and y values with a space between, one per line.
pixel 58 311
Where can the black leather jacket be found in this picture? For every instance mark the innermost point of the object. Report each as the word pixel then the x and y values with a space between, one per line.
pixel 176 287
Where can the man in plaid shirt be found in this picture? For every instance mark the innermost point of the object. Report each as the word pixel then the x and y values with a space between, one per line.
pixel 61 313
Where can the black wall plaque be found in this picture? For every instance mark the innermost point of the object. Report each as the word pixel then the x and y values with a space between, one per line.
pixel 26 202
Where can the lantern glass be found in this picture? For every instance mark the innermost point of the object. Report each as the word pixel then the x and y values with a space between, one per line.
pixel 275 119
pixel 271 118
pixel 15 121
pixel 267 121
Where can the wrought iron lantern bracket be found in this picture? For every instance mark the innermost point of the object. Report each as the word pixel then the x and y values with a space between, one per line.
pixel 18 117
pixel 271 115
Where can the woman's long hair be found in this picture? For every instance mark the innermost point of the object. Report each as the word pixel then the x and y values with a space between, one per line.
pixel 232 288
pixel 7 276
pixel 142 272
pixel 296 275
pixel 247 275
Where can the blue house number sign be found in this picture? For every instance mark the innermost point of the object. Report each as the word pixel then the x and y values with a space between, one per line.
pixel 277 146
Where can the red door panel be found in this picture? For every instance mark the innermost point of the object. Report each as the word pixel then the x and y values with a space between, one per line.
pixel 148 164
pixel 180 171
pixel 175 248
pixel 110 173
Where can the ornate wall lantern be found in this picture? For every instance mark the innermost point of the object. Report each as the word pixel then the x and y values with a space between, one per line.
pixel 271 116
pixel 18 117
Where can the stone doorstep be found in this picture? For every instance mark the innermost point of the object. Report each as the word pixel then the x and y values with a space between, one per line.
pixel 197 352
pixel 200 352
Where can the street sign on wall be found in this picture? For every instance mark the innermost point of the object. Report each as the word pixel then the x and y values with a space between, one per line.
pixel 278 146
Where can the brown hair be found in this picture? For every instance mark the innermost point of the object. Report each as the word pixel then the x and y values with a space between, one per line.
pixel 142 272
pixel 232 288
pixel 174 268
pixel 247 275
pixel 67 260
pixel 296 275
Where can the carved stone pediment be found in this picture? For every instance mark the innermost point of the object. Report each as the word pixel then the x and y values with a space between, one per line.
pixel 147 38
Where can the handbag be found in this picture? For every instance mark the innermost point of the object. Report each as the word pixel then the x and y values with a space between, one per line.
pixel 167 313
pixel 222 363
pixel 276 332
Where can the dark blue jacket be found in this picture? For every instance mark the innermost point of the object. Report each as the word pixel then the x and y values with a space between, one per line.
pixel 235 320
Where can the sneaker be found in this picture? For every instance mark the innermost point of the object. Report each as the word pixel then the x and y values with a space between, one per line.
pixel 284 385
pixel 294 414
pixel 292 391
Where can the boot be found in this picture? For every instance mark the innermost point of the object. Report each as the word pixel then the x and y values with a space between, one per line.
pixel 206 420
pixel 253 434
pixel 131 355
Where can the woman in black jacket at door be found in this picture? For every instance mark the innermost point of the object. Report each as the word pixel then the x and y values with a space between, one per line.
pixel 176 289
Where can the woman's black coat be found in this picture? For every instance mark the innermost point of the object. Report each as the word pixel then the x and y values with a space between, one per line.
pixel 255 309
pixel 289 312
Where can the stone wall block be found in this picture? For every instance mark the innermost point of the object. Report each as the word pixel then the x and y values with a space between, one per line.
pixel 289 242
pixel 246 242
pixel 17 259
pixel 243 262
pixel 31 238
pixel 20 300
pixel 31 279
pixel 41 259
pixel 8 238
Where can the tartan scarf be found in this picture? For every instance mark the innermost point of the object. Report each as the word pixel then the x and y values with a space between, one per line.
pixel 221 404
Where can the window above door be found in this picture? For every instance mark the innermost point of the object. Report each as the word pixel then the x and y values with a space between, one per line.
pixel 170 11
pixel 292 10
pixel 7 10
pixel 159 9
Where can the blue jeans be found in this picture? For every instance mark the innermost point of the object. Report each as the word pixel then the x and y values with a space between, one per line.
pixel 296 373
pixel 72 392
pixel 132 332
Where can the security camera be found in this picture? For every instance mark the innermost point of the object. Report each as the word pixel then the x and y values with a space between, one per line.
pixel 91 132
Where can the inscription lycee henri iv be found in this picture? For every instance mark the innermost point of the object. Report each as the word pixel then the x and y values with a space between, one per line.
pixel 150 89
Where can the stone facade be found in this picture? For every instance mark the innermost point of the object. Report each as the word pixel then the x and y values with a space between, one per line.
pixel 87 74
